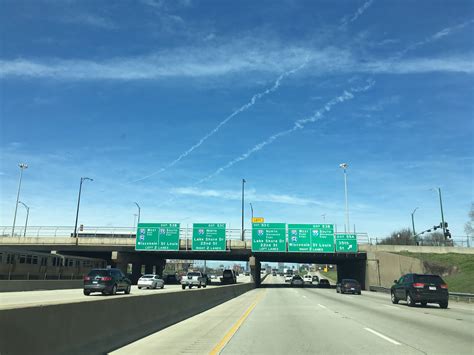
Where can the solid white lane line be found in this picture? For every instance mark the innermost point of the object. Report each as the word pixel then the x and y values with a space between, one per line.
pixel 383 336
pixel 320 305
pixel 389 306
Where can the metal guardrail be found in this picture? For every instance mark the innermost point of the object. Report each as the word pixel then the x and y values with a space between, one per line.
pixel 124 232
pixel 458 296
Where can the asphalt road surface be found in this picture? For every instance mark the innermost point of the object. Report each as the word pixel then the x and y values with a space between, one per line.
pixel 33 298
pixel 277 319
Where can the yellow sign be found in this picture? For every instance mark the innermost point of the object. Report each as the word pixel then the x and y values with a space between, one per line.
pixel 258 220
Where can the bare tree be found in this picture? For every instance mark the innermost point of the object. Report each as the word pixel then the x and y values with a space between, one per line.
pixel 400 237
pixel 434 239
pixel 468 227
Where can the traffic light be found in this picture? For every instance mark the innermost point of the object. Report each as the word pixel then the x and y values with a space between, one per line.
pixel 447 233
pixel 436 227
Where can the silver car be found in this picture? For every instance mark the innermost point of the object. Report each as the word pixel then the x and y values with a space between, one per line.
pixel 150 281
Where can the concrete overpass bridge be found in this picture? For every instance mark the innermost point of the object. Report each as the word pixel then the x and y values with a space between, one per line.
pixel 372 264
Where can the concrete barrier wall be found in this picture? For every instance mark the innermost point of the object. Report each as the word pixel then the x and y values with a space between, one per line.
pixel 36 285
pixel 382 268
pixel 102 326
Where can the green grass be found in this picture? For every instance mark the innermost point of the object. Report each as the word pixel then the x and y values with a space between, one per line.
pixel 460 269
pixel 331 274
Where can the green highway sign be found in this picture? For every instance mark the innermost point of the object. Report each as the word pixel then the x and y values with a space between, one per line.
pixel 346 243
pixel 157 236
pixel 268 237
pixel 323 238
pixel 209 237
pixel 311 238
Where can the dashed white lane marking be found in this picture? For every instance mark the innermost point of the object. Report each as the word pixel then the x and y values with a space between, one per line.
pixel 390 340
pixel 324 307
pixel 304 296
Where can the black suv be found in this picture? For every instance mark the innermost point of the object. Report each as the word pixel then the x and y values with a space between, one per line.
pixel 348 286
pixel 420 288
pixel 107 281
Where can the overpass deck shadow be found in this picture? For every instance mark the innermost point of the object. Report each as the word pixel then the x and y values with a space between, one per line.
pixel 289 286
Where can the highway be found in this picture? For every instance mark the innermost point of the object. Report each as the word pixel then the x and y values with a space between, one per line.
pixel 277 319
pixel 34 298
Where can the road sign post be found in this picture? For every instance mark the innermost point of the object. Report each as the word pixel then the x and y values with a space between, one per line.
pixel 269 237
pixel 209 237
pixel 346 243
pixel 157 236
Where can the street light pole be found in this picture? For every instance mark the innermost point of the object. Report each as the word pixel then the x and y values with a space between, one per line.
pixel 442 213
pixel 413 225
pixel 78 203
pixel 22 167
pixel 27 214
pixel 251 209
pixel 344 166
pixel 139 211
pixel 243 198
pixel 324 218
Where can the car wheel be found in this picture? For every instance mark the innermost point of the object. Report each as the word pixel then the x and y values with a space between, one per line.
pixel 424 303
pixel 114 290
pixel 394 298
pixel 139 288
pixel 204 285
pixel 190 286
pixel 182 286
pixel 410 301
pixel 128 289
pixel 359 293
pixel 162 285
pixel 337 291
pixel 199 286
pixel 443 305
pixel 87 292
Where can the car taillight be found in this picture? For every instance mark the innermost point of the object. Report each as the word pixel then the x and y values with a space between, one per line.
pixel 86 278
pixel 418 285
pixel 444 286
pixel 106 278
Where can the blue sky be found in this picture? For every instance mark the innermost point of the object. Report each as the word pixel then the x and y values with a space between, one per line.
pixel 172 103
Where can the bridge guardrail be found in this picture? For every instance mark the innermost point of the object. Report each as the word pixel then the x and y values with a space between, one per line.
pixel 458 296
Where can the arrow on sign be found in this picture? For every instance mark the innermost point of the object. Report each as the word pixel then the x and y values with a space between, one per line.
pixel 350 247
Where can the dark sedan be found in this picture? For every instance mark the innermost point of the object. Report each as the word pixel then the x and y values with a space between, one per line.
pixel 348 286
pixel 420 288
pixel 107 281
pixel 324 283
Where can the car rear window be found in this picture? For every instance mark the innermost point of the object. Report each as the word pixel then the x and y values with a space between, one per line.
pixel 429 279
pixel 350 281
pixel 98 273
pixel 194 274
pixel 227 273
pixel 324 281
pixel 147 276
pixel 297 277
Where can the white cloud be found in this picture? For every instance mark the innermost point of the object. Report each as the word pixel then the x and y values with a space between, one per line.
pixel 250 194
pixel 229 59
pixel 90 20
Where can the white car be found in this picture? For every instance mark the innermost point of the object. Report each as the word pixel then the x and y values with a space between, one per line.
pixel 150 281
pixel 308 279
pixel 288 278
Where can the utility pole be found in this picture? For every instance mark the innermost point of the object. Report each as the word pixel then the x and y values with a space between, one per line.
pixel 413 225
pixel 344 166
pixel 78 203
pixel 243 198
pixel 139 211
pixel 27 214
pixel 22 167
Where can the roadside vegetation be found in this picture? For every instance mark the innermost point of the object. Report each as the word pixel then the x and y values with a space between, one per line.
pixel 456 269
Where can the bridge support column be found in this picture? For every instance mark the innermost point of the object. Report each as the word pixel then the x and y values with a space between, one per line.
pixel 160 266
pixel 120 261
pixel 136 272
pixel 148 269
pixel 352 270
pixel 255 268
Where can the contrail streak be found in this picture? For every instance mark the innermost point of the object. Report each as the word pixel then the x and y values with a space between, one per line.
pixel 433 38
pixel 241 109
pixel 346 20
pixel 299 124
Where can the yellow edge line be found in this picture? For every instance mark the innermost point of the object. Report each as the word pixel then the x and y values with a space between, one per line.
pixel 217 349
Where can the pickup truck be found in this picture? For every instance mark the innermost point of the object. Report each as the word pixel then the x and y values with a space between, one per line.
pixel 194 278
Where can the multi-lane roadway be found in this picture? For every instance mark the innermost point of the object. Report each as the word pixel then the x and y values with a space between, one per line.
pixel 278 319
pixel 35 298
